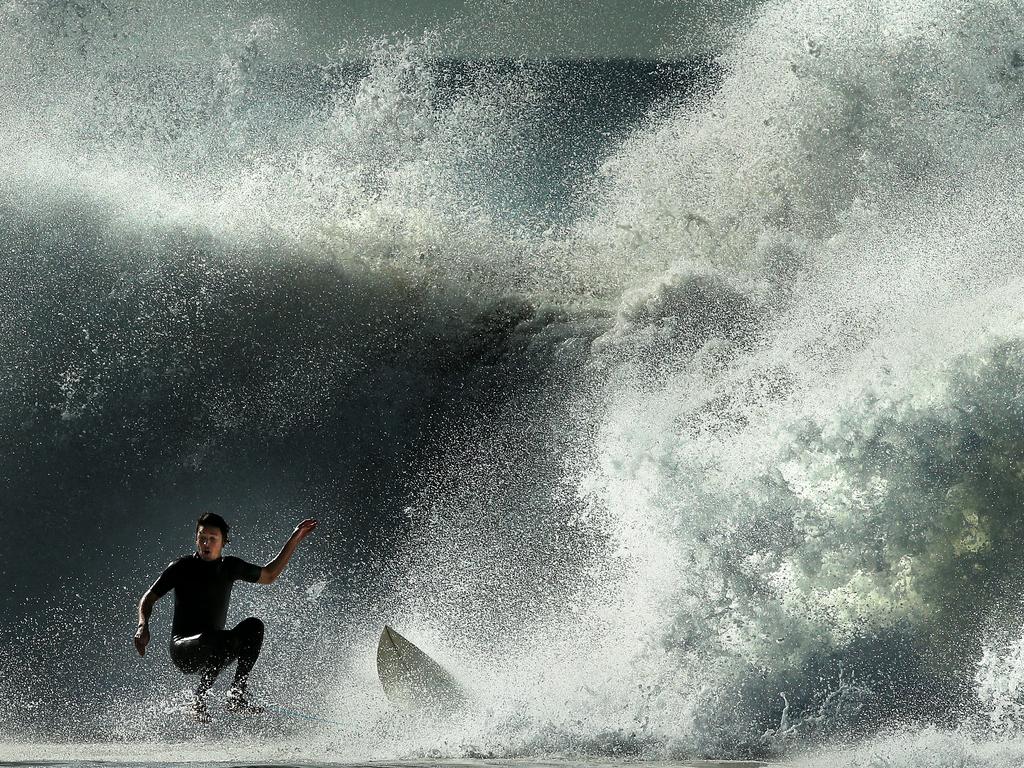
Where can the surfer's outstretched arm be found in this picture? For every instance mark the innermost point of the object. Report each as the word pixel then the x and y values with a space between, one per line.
pixel 274 568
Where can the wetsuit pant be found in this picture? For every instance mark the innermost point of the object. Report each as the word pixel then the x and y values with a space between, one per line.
pixel 208 653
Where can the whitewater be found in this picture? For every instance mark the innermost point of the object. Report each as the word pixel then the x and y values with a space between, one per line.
pixel 676 407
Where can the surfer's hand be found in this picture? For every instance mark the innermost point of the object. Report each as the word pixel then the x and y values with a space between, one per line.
pixel 303 529
pixel 142 639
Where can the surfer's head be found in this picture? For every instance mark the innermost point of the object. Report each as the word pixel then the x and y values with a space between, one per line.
pixel 211 536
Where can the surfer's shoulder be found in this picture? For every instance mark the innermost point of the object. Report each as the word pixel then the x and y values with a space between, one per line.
pixel 235 564
pixel 170 577
pixel 179 562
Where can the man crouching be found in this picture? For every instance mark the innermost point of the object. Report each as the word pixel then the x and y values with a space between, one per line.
pixel 202 585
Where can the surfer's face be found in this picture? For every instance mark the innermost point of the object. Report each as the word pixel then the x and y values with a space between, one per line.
pixel 209 542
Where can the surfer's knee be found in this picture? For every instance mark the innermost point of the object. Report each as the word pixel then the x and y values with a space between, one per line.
pixel 251 627
pixel 252 624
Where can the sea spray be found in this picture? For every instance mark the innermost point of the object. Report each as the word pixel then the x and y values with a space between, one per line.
pixel 805 460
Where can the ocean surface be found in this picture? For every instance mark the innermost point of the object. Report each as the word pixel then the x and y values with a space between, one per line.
pixel 675 406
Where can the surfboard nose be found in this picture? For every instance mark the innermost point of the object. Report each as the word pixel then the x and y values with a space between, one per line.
pixel 413 680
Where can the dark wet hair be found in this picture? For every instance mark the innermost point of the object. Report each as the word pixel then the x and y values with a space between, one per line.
pixel 213 520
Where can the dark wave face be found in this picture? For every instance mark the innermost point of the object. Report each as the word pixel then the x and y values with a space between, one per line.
pixel 674 406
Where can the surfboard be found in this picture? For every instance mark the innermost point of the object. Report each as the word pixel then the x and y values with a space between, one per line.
pixel 413 680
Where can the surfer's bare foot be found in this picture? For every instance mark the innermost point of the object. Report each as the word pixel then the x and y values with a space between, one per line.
pixel 239 704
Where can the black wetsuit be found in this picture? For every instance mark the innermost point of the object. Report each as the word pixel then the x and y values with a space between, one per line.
pixel 199 642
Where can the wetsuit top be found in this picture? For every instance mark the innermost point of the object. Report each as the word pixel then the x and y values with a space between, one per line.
pixel 202 591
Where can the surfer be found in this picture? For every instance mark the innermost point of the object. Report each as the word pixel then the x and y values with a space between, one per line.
pixel 202 585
